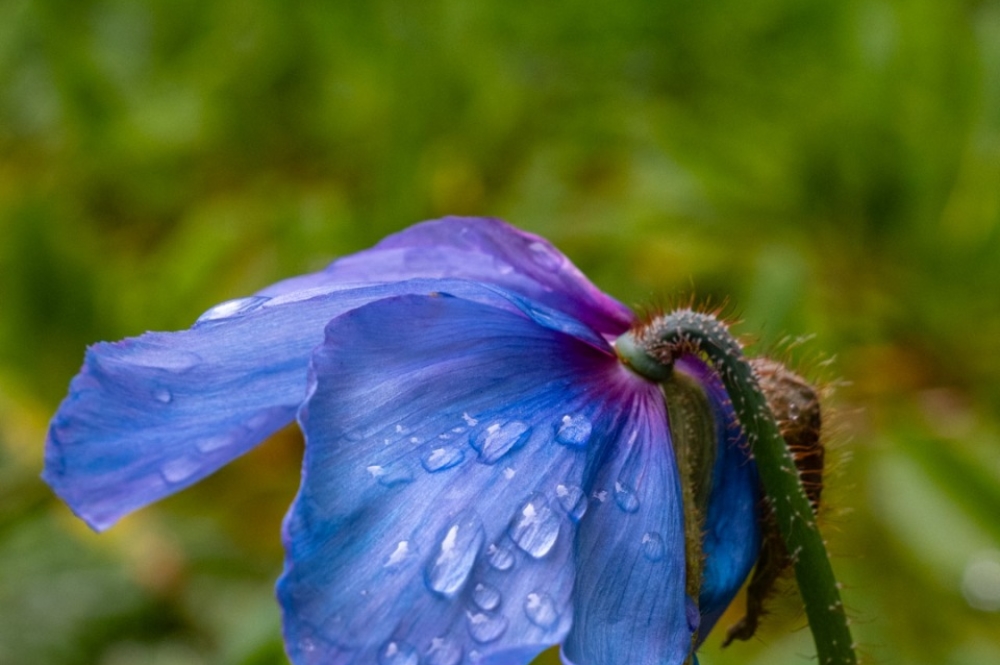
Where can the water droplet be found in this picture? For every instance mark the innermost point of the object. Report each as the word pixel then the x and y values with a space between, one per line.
pixel 469 420
pixel 497 440
pixel 653 547
pixel 573 501
pixel 535 527
pixel 444 651
pixel 398 653
pixel 180 469
pixel 231 309
pixel 544 256
pixel 163 396
pixel 626 498
pixel 402 553
pixel 161 357
pixel 485 596
pixel 439 459
pixel 500 556
pixel 509 473
pixel 574 431
pixel 395 475
pixel 452 561
pixel 390 476
pixel 212 443
pixel 260 421
pixel 541 609
pixel 485 628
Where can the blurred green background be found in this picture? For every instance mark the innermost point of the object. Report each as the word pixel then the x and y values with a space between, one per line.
pixel 830 168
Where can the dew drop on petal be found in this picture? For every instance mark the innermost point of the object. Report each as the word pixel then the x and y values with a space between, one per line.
pixel 653 547
pixel 452 560
pixel 486 597
pixel 544 256
pixel 443 651
pixel 500 556
pixel 535 527
pixel 231 309
pixel 400 555
pixel 541 609
pixel 573 501
pixel 395 475
pixel 180 469
pixel 441 458
pixel 626 498
pixel 165 358
pixel 498 439
pixel 574 431
pixel 259 421
pixel 163 396
pixel 397 653
pixel 212 443
pixel 485 628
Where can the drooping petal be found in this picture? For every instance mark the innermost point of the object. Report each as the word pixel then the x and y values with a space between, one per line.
pixel 630 602
pixel 446 447
pixel 731 533
pixel 481 249
pixel 150 415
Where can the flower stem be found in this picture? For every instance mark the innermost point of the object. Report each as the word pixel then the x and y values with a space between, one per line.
pixel 651 351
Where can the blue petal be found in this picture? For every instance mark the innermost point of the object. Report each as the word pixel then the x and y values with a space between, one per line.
pixel 148 416
pixel 446 447
pixel 732 533
pixel 630 603
pixel 479 249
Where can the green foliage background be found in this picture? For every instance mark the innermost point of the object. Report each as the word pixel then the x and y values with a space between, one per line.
pixel 830 168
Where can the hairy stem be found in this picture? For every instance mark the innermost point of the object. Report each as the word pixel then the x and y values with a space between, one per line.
pixel 652 351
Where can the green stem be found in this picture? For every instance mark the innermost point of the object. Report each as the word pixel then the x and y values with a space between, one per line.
pixel 651 351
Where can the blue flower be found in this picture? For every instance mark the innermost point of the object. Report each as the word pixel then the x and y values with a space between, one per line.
pixel 483 477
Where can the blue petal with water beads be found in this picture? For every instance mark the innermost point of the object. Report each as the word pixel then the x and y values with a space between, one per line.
pixel 630 606
pixel 447 442
pixel 148 416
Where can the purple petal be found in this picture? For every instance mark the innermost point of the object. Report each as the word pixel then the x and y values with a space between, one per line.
pixel 480 249
pixel 446 447
pixel 150 415
pixel 732 533
pixel 630 606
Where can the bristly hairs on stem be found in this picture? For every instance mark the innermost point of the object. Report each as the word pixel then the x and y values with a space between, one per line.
pixel 651 350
